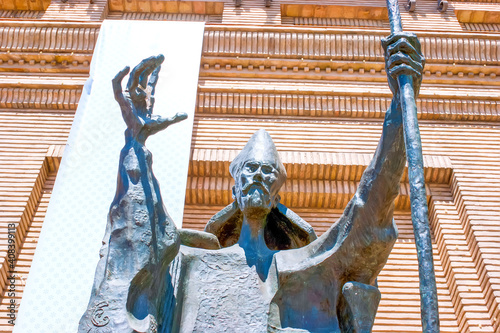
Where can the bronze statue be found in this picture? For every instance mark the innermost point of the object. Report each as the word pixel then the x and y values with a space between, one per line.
pixel 258 267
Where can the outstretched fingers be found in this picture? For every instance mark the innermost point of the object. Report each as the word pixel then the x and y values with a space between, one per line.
pixel 161 123
pixel 143 79
pixel 153 71
pixel 141 71
pixel 133 80
pixel 117 84
pixel 180 116
pixel 153 79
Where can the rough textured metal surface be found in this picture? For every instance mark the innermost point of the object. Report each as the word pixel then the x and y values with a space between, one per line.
pixel 408 91
pixel 140 235
pixel 272 273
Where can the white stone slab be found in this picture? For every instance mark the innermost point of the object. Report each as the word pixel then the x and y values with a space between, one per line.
pixel 60 280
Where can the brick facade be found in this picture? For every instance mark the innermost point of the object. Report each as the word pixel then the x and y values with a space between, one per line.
pixel 312 74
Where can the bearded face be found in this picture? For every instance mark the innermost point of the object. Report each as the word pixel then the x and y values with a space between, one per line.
pixel 256 188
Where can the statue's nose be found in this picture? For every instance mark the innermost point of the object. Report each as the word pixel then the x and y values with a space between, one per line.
pixel 258 175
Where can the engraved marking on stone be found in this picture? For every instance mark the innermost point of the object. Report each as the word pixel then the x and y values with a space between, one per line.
pixel 99 318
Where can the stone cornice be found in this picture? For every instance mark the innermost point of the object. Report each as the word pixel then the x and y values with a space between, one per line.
pixel 52 47
pixel 371 10
pixel 33 5
pixel 10 80
pixel 43 37
pixel 344 88
pixel 343 54
pixel 344 44
pixel 314 165
pixel 299 99
pixel 340 99
pixel 340 70
pixel 48 24
pixel 40 93
pixel 301 52
pixel 185 7
pixel 294 193
pixel 477 13
pixel 40 98
pixel 45 63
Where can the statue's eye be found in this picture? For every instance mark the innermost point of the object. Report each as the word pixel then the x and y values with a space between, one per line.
pixel 267 169
pixel 252 167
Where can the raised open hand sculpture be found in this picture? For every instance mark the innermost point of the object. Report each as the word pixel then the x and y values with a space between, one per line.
pixel 138 101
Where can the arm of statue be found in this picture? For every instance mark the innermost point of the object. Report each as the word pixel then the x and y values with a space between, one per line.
pixel 341 266
pixel 372 205
pixel 137 110
pixel 367 220
pixel 137 185
pixel 141 239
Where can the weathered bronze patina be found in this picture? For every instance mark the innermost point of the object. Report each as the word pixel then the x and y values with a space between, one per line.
pixel 258 267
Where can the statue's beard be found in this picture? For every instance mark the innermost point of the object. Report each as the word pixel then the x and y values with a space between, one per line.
pixel 255 200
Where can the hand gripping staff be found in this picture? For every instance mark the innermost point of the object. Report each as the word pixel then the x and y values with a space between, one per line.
pixel 419 210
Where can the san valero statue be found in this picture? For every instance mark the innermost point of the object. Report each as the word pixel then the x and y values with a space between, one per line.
pixel 257 267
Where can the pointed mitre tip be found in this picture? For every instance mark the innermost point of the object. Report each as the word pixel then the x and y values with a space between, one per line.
pixel 261 148
pixel 261 137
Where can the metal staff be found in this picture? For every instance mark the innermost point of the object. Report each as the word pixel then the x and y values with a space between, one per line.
pixel 419 210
